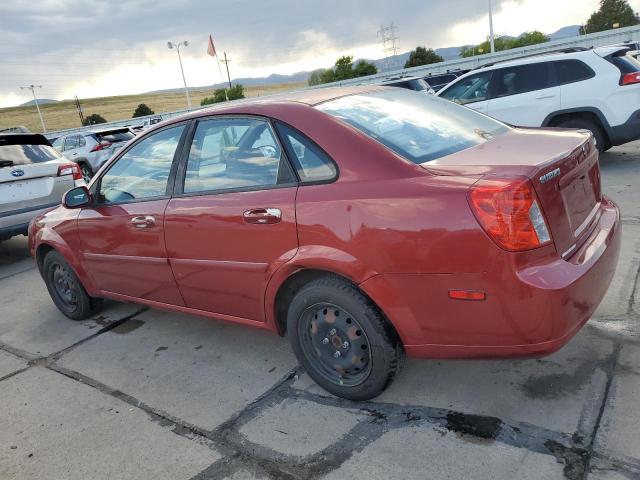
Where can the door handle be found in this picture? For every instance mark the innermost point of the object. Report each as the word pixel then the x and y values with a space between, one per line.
pixel 75 153
pixel 263 216
pixel 545 97
pixel 144 221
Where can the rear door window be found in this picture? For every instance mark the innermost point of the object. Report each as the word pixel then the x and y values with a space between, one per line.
pixel 570 71
pixel 474 88
pixel 70 143
pixel 521 79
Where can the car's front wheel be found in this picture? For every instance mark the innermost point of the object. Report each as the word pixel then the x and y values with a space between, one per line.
pixel 342 340
pixel 65 288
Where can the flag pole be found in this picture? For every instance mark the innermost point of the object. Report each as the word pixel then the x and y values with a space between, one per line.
pixel 211 50
pixel 222 77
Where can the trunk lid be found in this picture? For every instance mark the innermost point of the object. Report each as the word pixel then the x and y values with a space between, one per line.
pixel 562 166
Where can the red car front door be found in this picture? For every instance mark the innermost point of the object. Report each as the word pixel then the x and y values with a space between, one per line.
pixel 122 234
pixel 231 222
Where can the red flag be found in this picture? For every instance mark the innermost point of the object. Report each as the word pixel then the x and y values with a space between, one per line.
pixel 211 50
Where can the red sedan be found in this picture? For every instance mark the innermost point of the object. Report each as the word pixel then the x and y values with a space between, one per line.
pixel 363 222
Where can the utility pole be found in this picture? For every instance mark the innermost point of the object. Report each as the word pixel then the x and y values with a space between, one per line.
pixel 491 36
pixel 388 39
pixel 226 64
pixel 184 80
pixel 79 108
pixel 33 91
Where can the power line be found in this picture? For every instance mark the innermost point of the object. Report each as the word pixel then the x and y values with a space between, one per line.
pixel 387 38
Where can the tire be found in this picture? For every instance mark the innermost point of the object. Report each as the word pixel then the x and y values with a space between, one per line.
pixel 87 173
pixel 330 315
pixel 601 141
pixel 66 290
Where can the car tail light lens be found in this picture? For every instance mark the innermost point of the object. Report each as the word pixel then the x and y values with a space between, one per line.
pixel 630 78
pixel 70 169
pixel 509 212
pixel 100 146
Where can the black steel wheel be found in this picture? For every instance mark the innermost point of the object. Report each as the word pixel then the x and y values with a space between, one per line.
pixel 342 339
pixel 65 288
pixel 87 173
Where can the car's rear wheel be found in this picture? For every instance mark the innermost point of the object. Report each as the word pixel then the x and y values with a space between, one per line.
pixel 87 173
pixel 342 340
pixel 65 288
pixel 598 135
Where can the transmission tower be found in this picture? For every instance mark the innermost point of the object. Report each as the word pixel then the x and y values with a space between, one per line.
pixel 387 38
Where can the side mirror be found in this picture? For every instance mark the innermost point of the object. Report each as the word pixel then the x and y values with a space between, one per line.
pixel 77 198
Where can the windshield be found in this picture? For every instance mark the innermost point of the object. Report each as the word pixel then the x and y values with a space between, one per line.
pixel 11 155
pixel 419 127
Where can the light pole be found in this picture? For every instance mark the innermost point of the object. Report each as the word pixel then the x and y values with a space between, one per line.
pixel 177 46
pixel 35 99
pixel 493 46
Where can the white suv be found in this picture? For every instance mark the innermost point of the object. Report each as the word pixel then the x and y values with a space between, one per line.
pixel 595 89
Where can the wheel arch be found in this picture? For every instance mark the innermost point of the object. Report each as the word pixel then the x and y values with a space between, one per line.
pixel 587 113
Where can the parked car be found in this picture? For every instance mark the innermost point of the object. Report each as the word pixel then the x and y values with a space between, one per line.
pixel 146 124
pixel 363 222
pixel 410 83
pixel 92 149
pixel 438 82
pixel 597 90
pixel 33 177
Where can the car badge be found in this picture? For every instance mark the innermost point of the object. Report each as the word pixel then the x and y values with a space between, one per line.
pixel 17 173
pixel 549 176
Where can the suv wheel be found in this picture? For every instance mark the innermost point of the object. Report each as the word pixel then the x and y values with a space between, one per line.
pixel 601 142
pixel 87 174
pixel 342 340
pixel 65 288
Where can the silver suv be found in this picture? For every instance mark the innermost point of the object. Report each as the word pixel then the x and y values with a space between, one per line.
pixel 33 178
pixel 92 148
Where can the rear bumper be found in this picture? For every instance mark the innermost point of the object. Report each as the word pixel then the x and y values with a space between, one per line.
pixel 533 311
pixel 626 132
pixel 16 222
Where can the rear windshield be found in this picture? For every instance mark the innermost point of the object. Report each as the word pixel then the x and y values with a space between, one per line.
pixel 625 63
pixel 114 137
pixel 11 155
pixel 419 127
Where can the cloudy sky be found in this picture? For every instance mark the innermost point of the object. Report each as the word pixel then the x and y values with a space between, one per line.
pixel 95 48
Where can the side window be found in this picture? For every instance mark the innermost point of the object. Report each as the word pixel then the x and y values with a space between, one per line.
pixel 234 153
pixel 474 88
pixel 521 79
pixel 58 144
pixel 311 163
pixel 81 142
pixel 71 142
pixel 570 71
pixel 143 171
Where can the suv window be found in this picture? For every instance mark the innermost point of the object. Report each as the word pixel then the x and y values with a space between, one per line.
pixel 419 127
pixel 521 79
pixel 81 142
pixel 474 88
pixel 71 142
pixel 143 171
pixel 570 71
pixel 234 154
pixel 625 63
pixel 311 163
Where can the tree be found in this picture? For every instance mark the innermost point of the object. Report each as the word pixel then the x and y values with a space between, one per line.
pixel 504 43
pixel 94 119
pixel 315 77
pixel 344 69
pixel 142 111
pixel 422 56
pixel 611 12
pixel 221 94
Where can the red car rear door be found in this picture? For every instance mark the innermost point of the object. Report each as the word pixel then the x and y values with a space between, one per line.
pixel 231 221
pixel 122 234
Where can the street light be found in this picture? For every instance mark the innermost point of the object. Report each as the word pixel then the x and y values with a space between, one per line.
pixel 177 46
pixel 493 46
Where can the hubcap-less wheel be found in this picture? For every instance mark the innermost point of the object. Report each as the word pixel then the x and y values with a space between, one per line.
pixel 335 344
pixel 64 287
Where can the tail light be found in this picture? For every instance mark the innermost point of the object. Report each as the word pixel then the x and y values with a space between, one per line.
pixel 70 169
pixel 630 78
pixel 101 146
pixel 508 210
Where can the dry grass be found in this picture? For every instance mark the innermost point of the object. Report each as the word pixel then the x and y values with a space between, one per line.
pixel 58 116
